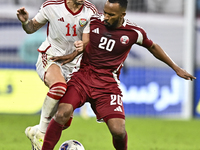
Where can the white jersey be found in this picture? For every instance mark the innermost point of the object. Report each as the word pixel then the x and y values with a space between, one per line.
pixel 64 26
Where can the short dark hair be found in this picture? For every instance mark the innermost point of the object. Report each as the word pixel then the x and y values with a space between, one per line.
pixel 122 3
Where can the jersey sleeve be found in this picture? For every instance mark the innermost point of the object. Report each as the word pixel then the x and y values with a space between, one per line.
pixel 93 10
pixel 87 28
pixel 41 16
pixel 143 40
pixel 147 42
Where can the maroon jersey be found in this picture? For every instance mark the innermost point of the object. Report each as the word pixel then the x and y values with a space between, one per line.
pixel 97 79
pixel 109 48
pixel 104 56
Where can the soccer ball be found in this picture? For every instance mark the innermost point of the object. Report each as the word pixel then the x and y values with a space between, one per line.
pixel 71 145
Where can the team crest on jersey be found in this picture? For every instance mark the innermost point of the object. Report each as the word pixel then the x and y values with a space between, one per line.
pixel 82 22
pixel 124 39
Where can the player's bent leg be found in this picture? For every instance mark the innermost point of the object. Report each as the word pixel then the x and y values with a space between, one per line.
pixel 56 125
pixel 55 80
pixel 69 102
pixel 118 131
pixel 48 110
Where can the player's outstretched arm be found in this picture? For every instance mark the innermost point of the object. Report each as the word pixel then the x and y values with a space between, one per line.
pixel 70 57
pixel 30 26
pixel 160 54
pixel 66 58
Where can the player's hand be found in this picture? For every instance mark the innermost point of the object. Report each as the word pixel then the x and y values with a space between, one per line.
pixel 184 74
pixel 79 46
pixel 65 59
pixel 22 15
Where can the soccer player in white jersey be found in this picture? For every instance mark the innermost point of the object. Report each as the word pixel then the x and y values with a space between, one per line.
pixel 67 22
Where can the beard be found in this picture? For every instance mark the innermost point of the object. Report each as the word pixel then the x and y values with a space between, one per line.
pixel 79 2
pixel 111 26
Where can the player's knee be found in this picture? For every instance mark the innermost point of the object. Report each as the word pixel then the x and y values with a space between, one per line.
pixel 118 133
pixel 63 113
pixel 117 128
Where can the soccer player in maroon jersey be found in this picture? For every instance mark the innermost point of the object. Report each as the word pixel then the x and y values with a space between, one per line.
pixel 96 82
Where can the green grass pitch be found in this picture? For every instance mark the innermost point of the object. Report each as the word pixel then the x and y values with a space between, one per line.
pixel 143 133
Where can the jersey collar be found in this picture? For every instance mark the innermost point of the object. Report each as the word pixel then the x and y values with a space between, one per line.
pixel 72 11
pixel 124 23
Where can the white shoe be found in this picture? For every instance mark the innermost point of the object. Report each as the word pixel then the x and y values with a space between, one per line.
pixel 38 139
pixel 35 136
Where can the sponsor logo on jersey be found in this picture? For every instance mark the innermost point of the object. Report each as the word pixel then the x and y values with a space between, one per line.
pixel 96 31
pixel 61 19
pixel 124 39
pixel 82 22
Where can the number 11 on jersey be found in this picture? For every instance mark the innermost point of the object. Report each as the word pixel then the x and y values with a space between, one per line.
pixel 68 30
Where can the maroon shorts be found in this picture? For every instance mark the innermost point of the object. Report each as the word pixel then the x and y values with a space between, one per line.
pixel 106 101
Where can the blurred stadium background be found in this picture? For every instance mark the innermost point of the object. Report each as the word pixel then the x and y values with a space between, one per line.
pixel 150 88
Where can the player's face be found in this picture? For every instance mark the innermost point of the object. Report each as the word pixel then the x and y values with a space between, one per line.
pixel 79 2
pixel 113 15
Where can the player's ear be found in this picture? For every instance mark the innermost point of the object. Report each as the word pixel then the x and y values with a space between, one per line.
pixel 123 15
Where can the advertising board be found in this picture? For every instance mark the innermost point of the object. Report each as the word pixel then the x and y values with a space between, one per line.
pixel 21 91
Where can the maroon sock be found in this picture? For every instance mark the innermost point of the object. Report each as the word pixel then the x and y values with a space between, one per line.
pixel 52 135
pixel 120 144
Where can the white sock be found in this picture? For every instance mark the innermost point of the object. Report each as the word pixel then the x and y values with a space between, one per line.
pixel 50 104
pixel 49 108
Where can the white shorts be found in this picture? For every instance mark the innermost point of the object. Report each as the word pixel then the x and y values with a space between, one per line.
pixel 44 62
